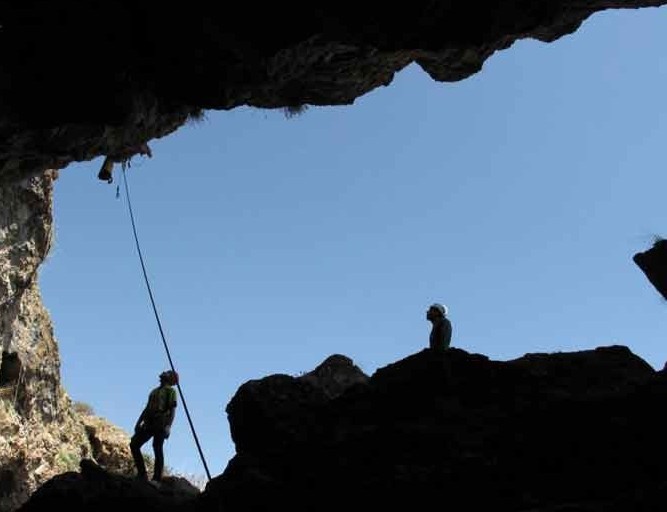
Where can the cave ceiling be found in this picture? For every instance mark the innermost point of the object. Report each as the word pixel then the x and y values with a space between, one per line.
pixel 81 79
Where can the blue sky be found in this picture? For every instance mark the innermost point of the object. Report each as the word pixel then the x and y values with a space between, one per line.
pixel 516 197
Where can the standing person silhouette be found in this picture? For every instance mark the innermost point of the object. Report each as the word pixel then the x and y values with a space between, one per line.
pixel 155 422
pixel 441 332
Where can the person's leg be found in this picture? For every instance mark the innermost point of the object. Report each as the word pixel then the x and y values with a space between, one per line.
pixel 158 443
pixel 138 440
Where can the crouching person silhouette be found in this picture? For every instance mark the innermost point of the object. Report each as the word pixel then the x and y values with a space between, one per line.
pixel 155 422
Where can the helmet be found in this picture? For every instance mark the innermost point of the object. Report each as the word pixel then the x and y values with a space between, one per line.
pixel 170 377
pixel 440 308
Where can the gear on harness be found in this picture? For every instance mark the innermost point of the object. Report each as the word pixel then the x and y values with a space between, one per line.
pixel 106 172
pixel 124 156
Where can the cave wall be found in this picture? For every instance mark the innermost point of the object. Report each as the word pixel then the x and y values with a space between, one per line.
pixel 40 435
pixel 26 228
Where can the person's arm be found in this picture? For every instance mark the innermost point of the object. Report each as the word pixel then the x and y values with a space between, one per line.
pixel 170 413
pixel 142 416
pixel 447 327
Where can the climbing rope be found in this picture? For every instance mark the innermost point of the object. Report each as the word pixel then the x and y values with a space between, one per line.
pixel 18 383
pixel 159 324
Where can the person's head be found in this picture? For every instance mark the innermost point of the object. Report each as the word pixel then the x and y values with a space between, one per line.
pixel 435 312
pixel 169 377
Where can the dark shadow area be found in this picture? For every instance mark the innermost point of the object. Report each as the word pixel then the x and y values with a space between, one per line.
pixel 10 368
pixel 578 431
pixel 7 482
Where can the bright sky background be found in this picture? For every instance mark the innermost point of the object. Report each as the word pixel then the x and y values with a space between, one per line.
pixel 516 197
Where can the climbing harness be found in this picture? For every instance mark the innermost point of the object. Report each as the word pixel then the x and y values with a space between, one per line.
pixel 159 324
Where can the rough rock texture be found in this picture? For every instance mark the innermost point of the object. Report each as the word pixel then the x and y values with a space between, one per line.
pixel 26 336
pixel 109 444
pixel 335 375
pixel 41 435
pixel 31 452
pixel 79 79
pixel 576 432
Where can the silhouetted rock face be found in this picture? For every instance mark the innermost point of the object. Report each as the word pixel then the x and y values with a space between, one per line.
pixel 94 489
pixel 458 431
pixel 653 262
pixel 581 431
pixel 274 413
pixel 335 375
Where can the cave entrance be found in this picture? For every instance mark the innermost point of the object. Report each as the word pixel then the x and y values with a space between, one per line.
pixel 7 483
pixel 10 368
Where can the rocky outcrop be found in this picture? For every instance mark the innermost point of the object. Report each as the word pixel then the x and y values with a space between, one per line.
pixel 94 488
pixel 275 412
pixel 109 444
pixel 580 431
pixel 575 431
pixel 41 435
pixel 90 79
pixel 653 263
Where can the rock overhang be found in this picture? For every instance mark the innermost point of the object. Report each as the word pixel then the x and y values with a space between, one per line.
pixel 81 80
